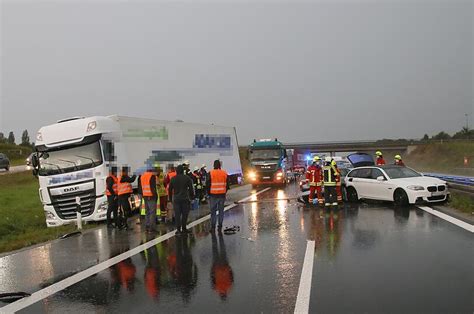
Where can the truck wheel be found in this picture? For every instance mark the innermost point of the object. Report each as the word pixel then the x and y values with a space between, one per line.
pixel 352 196
pixel 400 197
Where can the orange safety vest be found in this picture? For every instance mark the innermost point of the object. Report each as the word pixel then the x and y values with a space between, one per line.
pixel 145 183
pixel 124 188
pixel 218 181
pixel 114 187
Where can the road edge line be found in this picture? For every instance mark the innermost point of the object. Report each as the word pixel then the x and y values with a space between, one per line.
pixel 448 218
pixel 304 290
pixel 88 272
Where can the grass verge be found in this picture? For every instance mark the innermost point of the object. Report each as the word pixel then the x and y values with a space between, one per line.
pixel 462 203
pixel 23 222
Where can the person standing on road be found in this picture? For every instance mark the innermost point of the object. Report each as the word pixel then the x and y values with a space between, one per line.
pixel 198 186
pixel 112 197
pixel 181 193
pixel 399 161
pixel 329 179
pixel 124 192
pixel 313 175
pixel 338 182
pixel 379 158
pixel 170 175
pixel 218 185
pixel 148 189
pixel 162 193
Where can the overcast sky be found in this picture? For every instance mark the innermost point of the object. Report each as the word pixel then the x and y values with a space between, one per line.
pixel 299 71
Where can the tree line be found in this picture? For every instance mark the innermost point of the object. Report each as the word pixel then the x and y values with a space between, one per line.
pixel 464 134
pixel 25 138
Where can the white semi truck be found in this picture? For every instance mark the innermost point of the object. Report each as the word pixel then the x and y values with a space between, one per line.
pixel 73 158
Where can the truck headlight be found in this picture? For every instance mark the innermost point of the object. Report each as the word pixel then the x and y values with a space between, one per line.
pixel 252 175
pixel 102 207
pixel 49 215
pixel 415 187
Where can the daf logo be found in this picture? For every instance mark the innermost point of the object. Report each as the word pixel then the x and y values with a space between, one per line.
pixel 72 189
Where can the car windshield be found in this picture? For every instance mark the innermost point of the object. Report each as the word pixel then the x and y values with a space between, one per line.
pixel 401 172
pixel 70 159
pixel 265 154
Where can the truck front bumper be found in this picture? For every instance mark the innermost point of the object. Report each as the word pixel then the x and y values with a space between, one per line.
pixel 99 214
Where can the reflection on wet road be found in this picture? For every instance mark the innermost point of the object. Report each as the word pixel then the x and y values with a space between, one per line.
pixel 368 258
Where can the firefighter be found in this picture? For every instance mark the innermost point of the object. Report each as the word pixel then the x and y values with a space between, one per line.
pixel 379 158
pixel 329 181
pixel 338 182
pixel 170 175
pixel 313 175
pixel 399 161
pixel 162 194
pixel 198 186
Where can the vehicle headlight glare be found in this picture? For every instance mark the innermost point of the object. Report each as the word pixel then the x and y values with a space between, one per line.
pixel 415 187
pixel 252 175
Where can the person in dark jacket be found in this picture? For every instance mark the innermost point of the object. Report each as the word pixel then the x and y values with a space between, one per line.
pixel 181 193
pixel 112 197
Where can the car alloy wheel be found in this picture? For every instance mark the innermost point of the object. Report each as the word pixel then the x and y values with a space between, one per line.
pixel 400 197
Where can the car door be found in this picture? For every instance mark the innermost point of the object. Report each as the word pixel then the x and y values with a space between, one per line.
pixel 379 190
pixel 360 182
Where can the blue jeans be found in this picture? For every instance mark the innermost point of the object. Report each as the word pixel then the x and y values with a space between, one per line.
pixel 217 205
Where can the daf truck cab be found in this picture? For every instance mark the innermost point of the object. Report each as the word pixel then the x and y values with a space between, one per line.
pixel 73 158
pixel 268 162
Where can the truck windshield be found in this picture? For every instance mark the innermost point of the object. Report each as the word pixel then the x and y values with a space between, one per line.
pixel 265 154
pixel 70 159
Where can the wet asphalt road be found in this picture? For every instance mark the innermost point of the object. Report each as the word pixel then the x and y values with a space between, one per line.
pixel 369 258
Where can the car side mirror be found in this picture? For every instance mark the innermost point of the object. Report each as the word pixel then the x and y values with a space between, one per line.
pixel 381 178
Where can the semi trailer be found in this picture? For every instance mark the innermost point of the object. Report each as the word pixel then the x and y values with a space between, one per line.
pixel 73 158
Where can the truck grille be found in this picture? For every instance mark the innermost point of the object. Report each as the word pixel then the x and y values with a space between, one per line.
pixel 65 205
pixel 266 168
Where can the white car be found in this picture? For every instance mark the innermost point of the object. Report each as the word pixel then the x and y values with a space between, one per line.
pixel 401 185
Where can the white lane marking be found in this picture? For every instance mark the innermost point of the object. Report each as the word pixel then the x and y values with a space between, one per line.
pixel 63 284
pixel 448 218
pixel 304 291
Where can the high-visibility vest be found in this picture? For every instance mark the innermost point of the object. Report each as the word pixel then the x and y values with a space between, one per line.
pixel 124 188
pixel 160 181
pixel 329 175
pixel 218 181
pixel 114 187
pixel 145 180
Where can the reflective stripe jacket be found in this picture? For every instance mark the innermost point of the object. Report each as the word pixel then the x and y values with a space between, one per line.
pixel 148 184
pixel 112 184
pixel 218 184
pixel 125 185
pixel 329 175
pixel 313 174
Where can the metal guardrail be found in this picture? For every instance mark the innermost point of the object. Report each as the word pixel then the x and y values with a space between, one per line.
pixel 452 178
